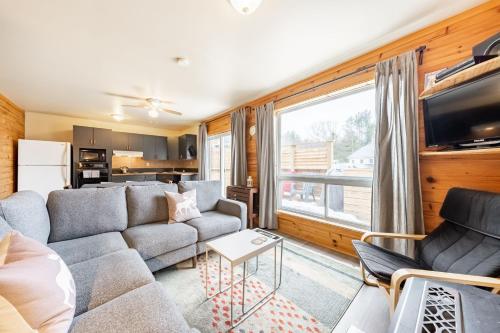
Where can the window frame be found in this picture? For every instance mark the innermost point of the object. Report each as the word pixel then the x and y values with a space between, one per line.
pixel 220 137
pixel 356 181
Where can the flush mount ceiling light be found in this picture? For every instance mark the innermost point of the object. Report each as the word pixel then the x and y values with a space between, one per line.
pixel 183 62
pixel 118 116
pixel 245 7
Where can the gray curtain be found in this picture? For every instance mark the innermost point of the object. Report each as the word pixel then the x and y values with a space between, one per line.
pixel 266 162
pixel 202 152
pixel 238 148
pixel 397 203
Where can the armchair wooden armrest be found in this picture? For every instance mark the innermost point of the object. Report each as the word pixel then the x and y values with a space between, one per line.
pixel 367 236
pixel 405 273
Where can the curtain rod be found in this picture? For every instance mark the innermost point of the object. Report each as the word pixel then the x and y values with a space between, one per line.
pixel 420 51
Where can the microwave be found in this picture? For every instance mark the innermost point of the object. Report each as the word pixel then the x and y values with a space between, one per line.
pixel 92 155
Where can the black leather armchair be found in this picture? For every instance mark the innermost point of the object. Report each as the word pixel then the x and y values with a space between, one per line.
pixel 465 248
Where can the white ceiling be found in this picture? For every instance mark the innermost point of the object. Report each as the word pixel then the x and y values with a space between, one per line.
pixel 59 56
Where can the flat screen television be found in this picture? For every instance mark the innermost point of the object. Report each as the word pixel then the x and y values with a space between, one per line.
pixel 466 115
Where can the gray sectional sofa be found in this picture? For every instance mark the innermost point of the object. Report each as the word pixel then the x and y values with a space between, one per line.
pixel 112 239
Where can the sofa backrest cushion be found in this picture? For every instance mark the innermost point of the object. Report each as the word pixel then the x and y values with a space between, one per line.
pixel 456 249
pixel 147 204
pixel 25 211
pixel 86 212
pixel 208 193
pixel 476 210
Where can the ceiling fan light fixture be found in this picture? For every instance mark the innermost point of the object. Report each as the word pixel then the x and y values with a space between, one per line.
pixel 245 7
pixel 118 116
pixel 153 113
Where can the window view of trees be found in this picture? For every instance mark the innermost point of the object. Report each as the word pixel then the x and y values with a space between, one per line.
pixel 330 138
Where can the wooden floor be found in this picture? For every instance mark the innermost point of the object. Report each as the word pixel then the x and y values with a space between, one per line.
pixel 369 311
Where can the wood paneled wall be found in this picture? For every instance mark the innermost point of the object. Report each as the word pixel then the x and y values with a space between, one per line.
pixel 11 129
pixel 448 42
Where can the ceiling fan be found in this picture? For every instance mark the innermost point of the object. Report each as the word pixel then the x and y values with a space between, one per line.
pixel 153 105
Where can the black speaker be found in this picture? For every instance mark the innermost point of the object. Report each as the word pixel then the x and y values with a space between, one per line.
pixel 487 49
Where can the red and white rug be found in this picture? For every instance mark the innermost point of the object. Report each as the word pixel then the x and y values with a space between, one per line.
pixel 315 292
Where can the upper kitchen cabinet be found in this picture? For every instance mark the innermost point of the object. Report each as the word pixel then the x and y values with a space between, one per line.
pixel 155 147
pixel 91 137
pixel 187 147
pixel 128 141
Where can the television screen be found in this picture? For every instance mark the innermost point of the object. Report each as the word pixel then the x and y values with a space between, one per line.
pixel 465 114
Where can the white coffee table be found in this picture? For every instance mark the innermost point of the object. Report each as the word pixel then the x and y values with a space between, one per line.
pixel 238 249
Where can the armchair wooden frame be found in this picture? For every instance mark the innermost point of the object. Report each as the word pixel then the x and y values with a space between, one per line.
pixel 401 275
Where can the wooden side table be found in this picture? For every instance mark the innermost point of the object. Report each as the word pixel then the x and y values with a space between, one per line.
pixel 248 195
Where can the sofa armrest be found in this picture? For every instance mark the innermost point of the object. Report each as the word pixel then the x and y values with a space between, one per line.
pixel 234 208
pixel 403 274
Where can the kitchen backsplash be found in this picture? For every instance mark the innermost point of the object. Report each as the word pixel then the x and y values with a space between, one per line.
pixel 139 162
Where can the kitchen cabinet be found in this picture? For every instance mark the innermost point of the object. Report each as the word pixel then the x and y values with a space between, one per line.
pixel 155 148
pixel 132 178
pixel 135 142
pixel 128 141
pixel 187 147
pixel 120 141
pixel 84 136
pixel 173 148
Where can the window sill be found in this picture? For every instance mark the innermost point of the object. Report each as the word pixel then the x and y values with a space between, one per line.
pixel 347 227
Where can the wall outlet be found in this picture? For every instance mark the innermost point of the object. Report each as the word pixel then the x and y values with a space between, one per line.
pixel 148 164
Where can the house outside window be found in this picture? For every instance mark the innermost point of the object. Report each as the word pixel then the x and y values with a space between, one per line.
pixel 326 157
pixel 219 159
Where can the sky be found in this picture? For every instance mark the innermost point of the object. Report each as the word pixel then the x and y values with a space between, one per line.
pixel 338 110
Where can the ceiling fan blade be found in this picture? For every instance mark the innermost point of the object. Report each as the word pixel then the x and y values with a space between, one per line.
pixel 177 113
pixel 166 102
pixel 125 96
pixel 134 106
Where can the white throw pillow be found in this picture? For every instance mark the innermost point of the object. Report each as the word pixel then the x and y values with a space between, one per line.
pixel 182 207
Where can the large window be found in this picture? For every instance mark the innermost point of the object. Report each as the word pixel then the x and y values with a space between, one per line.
pixel 326 157
pixel 219 159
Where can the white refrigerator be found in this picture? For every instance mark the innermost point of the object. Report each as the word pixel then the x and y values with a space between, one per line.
pixel 43 166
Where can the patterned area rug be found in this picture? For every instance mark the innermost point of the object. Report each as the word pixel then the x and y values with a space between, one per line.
pixel 314 294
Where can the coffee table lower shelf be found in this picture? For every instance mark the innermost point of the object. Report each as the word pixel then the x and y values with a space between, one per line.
pixel 234 263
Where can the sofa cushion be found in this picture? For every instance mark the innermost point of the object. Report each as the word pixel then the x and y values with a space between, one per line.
pixel 37 290
pixel 208 193
pixel 26 212
pixel 171 258
pixel 86 212
pixel 151 240
pixel 102 279
pixel 4 227
pixel 80 249
pixel 212 224
pixel 145 309
pixel 147 204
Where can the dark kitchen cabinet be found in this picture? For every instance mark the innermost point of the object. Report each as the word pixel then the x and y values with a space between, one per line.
pixel 102 137
pixel 135 142
pixel 128 141
pixel 84 136
pixel 161 147
pixel 120 141
pixel 149 151
pixel 155 147
pixel 187 147
pixel 173 148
